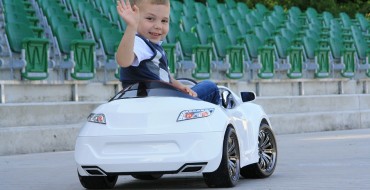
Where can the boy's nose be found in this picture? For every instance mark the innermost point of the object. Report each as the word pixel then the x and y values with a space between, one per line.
pixel 157 25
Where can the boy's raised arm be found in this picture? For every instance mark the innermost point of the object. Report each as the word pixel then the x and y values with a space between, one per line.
pixel 131 15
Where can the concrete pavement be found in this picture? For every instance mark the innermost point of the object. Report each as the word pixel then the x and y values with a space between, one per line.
pixel 321 160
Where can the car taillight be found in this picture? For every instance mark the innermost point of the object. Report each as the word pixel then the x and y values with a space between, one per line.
pixel 195 114
pixel 97 118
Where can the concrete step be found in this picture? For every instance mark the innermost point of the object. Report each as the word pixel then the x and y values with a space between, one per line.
pixel 320 121
pixel 39 114
pixel 308 104
pixel 36 139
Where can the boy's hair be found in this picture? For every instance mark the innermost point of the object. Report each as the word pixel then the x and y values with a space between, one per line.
pixel 157 2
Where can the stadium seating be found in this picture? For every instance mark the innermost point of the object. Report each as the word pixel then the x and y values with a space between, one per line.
pixel 82 36
pixel 28 49
pixel 197 54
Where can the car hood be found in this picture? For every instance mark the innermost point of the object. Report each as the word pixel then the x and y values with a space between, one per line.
pixel 153 115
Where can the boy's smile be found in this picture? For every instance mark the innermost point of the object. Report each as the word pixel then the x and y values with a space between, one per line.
pixel 154 21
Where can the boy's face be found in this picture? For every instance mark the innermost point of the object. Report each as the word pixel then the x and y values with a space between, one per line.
pixel 154 21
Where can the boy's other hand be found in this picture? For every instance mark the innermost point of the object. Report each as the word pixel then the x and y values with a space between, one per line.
pixel 190 91
pixel 130 14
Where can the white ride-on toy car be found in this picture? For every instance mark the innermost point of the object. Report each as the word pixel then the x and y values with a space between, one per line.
pixel 151 129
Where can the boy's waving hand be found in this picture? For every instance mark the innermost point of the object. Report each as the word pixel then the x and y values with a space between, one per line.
pixel 130 15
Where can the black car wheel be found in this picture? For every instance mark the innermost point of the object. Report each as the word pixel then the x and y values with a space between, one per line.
pixel 227 174
pixel 267 150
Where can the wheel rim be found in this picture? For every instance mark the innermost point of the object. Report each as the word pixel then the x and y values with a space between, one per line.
pixel 233 157
pixel 267 150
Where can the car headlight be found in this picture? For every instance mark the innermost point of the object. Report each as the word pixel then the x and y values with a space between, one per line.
pixel 195 114
pixel 97 118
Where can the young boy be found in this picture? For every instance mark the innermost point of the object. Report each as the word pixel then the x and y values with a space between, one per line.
pixel 140 53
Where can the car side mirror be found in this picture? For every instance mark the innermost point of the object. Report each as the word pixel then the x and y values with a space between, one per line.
pixel 225 95
pixel 247 96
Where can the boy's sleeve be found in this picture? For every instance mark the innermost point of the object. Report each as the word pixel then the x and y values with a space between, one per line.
pixel 141 51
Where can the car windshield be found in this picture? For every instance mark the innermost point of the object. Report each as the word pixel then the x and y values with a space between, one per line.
pixel 150 89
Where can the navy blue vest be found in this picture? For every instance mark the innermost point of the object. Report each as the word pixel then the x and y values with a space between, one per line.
pixel 147 69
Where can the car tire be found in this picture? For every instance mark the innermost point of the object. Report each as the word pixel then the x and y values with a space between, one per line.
pixel 267 151
pixel 98 182
pixel 147 176
pixel 228 172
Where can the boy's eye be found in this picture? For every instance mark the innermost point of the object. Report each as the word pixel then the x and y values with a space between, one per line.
pixel 165 21
pixel 150 18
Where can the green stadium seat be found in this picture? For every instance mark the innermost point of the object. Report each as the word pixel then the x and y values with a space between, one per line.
pixel 189 3
pixel 98 24
pixel 364 23
pixel 221 8
pixel 77 51
pixel 203 32
pixel 286 53
pixel 211 3
pixel 242 8
pixel 12 7
pixel 19 18
pixel 170 47
pixel 217 25
pixel 33 51
pixel 252 20
pixel 116 19
pixel 313 15
pixel 235 14
pixel 362 49
pixel 189 12
pixel 177 6
pixel 57 20
pixel 200 7
pixel 263 35
pixel 279 10
pixel 110 44
pixel 175 17
pixel 171 54
pixel 346 21
pixel 327 17
pixel 188 23
pixel 269 27
pixel 243 26
pixel 233 56
pixel 105 7
pixel 57 11
pixel 172 34
pixel 194 53
pixel 21 12
pixel 213 13
pixel 262 9
pixel 233 33
pixel 231 4
pixel 319 55
pixel 343 57
pixel 227 19
pixel 202 17
pixel 336 48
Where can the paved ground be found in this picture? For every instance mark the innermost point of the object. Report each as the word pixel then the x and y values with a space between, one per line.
pixel 325 160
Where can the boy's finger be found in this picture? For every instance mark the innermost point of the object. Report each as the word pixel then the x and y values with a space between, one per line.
pixel 128 4
pixel 135 8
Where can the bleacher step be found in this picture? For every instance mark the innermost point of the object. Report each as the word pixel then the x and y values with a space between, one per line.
pixel 35 139
pixel 320 121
